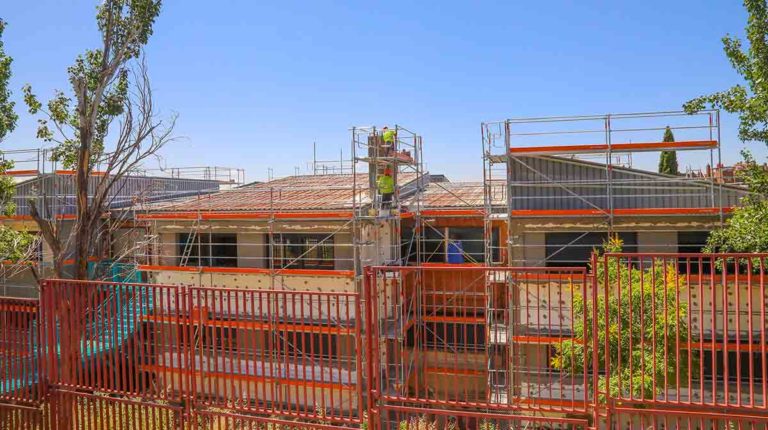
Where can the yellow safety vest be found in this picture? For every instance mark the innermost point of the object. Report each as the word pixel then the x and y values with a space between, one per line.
pixel 385 184
pixel 389 136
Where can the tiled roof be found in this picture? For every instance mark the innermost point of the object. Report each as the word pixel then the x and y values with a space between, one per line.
pixel 456 195
pixel 293 193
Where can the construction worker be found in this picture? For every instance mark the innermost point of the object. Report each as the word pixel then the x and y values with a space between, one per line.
pixel 389 137
pixel 386 186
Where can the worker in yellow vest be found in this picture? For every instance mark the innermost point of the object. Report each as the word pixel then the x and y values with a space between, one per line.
pixel 386 186
pixel 389 137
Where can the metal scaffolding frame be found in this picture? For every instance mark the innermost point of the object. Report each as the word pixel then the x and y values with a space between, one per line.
pixel 335 203
pixel 517 187
pixel 40 177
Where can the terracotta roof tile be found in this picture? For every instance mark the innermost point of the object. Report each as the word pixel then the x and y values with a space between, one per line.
pixel 294 193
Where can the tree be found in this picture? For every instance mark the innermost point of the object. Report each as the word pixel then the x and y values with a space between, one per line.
pixel 750 102
pixel 668 159
pixel 110 92
pixel 630 297
pixel 746 230
pixel 14 245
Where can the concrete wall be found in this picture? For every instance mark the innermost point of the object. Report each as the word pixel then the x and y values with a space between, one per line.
pixel 256 281
pixel 252 250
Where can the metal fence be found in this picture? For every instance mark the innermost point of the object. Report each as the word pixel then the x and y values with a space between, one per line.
pixel 637 341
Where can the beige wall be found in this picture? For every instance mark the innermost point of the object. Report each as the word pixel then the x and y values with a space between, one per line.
pixel 251 250
pixel 534 253
pixel 255 281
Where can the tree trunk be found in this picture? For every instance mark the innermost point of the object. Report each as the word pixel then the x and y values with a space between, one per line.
pixel 83 235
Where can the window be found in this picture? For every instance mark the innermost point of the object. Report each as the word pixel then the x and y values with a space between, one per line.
pixel 210 337
pixel 451 336
pixel 303 251
pixel 306 345
pixel 742 363
pixel 468 245
pixel 575 249
pixel 692 241
pixel 208 249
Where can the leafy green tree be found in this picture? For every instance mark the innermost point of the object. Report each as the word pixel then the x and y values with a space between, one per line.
pixel 110 92
pixel 749 101
pixel 746 230
pixel 668 159
pixel 639 318
pixel 14 245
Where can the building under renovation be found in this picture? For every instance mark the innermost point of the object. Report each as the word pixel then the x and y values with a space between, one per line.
pixel 335 298
pixel 549 198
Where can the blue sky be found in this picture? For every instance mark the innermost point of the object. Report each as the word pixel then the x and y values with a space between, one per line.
pixel 256 82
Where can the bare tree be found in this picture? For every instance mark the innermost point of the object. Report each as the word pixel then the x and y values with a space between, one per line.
pixel 111 92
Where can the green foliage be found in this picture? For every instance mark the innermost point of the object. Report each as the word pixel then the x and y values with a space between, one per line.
pixel 8 117
pixel 750 101
pixel 14 245
pixel 746 230
pixel 100 84
pixel 639 320
pixel 668 159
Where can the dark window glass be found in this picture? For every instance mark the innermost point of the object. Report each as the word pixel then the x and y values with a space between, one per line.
pixel 735 364
pixel 451 336
pixel 206 249
pixel 210 337
pixel 303 251
pixel 575 249
pixel 306 345
pixel 693 242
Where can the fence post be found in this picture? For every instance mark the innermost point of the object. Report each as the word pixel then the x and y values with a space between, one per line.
pixel 368 293
pixel 594 341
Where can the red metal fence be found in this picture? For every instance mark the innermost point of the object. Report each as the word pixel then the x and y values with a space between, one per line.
pixel 476 341
pixel 686 330
pixel 19 352
pixel 672 341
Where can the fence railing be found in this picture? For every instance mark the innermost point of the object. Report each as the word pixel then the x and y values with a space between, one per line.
pixel 685 330
pixel 636 341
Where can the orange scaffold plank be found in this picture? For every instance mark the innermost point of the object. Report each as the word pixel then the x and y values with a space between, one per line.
pixel 455 372
pixel 625 212
pixel 615 147
pixel 249 378
pixel 248 270
pixel 213 215
pixel 252 325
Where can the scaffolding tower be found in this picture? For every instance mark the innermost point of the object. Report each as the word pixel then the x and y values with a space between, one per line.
pixel 563 170
pixel 397 152
pixel 519 182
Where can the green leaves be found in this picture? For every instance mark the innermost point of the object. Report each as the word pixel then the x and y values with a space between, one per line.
pixel 15 245
pixel 668 159
pixel 746 230
pixel 639 316
pixel 750 102
pixel 100 84
pixel 8 117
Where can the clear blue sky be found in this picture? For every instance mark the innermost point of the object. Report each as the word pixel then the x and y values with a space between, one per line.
pixel 256 82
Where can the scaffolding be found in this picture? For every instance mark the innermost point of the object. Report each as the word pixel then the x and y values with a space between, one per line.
pixel 40 179
pixel 547 168
pixel 331 223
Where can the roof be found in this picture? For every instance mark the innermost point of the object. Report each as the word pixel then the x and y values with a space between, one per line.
pixel 454 194
pixel 56 192
pixel 293 193
pixel 557 183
